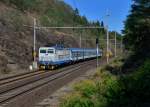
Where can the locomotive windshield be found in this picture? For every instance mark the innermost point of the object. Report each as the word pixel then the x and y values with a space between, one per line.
pixel 50 51
pixel 42 51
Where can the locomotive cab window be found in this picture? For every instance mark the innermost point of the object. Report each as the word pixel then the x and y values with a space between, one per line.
pixel 50 51
pixel 43 51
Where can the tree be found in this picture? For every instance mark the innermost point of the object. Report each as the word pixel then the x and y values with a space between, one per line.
pixel 137 28
pixel 84 20
pixel 76 11
pixel 102 24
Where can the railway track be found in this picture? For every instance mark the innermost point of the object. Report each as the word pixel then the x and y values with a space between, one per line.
pixel 14 87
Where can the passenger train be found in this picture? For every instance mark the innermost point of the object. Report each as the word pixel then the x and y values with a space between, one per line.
pixel 51 57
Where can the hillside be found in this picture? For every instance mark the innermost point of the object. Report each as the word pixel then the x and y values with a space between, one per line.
pixel 16 39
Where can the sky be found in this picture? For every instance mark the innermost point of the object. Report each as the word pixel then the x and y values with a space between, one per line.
pixel 98 10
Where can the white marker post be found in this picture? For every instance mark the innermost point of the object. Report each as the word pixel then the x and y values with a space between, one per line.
pixel 97 42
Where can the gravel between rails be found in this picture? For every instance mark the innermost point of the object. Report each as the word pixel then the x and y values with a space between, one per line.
pixel 54 99
pixel 15 82
pixel 28 94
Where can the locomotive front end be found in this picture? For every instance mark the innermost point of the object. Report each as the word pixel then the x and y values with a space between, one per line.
pixel 46 58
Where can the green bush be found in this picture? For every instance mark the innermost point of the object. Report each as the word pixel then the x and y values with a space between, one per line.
pixel 87 88
pixel 132 90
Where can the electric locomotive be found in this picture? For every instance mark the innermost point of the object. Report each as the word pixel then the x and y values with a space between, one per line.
pixel 51 57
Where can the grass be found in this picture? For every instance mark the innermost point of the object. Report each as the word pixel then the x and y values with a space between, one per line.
pixel 76 100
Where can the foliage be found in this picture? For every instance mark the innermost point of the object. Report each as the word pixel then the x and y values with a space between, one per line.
pixel 55 13
pixel 133 89
pixel 137 28
pixel 58 13
pixel 110 91
pixel 86 88
pixel 83 97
